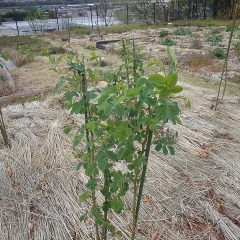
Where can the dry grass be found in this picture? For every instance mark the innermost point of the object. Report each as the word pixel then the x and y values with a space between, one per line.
pixel 193 195
pixel 198 61
pixel 36 75
pixel 17 57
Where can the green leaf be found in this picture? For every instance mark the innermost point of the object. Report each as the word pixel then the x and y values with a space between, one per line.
pixel 157 80
pixel 91 169
pixel 177 89
pixel 91 184
pixel 67 130
pixel 165 150
pixel 158 147
pixel 69 95
pixel 120 154
pixel 172 56
pixel 78 107
pixel 59 84
pixel 171 150
pixel 120 109
pixel 111 155
pixel 101 159
pixel 172 79
pixel 79 166
pixel 117 205
pixel 76 141
pixel 84 196
pixel 91 125
pixel 83 218
pixel 187 102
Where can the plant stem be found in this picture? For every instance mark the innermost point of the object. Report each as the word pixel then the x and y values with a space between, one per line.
pixel 126 61
pixel 142 181
pixel 134 60
pixel 135 185
pixel 106 203
pixel 225 66
pixel 3 129
pixel 89 135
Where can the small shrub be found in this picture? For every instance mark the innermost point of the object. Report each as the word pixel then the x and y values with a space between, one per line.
pixel 168 42
pixel 219 53
pixel 183 31
pixel 230 27
pixel 215 39
pixel 90 47
pixel 57 50
pixel 163 33
pixel 5 56
pixel 238 46
pixel 81 31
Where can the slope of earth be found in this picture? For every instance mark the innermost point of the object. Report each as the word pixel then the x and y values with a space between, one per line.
pixel 192 195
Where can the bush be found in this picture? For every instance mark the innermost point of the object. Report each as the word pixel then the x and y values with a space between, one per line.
pixel 238 46
pixel 230 27
pixel 81 31
pixel 219 53
pixel 163 33
pixel 53 50
pixel 168 42
pixel 183 31
pixel 215 39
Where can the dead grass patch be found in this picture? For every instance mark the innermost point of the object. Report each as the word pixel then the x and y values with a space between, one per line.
pixel 198 61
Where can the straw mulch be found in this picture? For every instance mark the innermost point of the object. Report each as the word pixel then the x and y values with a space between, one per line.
pixel 192 195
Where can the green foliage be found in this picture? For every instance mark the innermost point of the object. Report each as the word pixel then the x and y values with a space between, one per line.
pixel 81 31
pixel 230 27
pixel 183 31
pixel 5 56
pixel 27 41
pixel 123 120
pixel 168 42
pixel 163 33
pixel 219 53
pixel 16 15
pixel 238 45
pixel 215 39
pixel 53 50
pixel 97 60
pixel 215 31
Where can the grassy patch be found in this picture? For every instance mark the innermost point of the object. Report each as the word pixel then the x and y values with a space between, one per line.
pixel 125 28
pixel 182 31
pixel 168 42
pixel 81 31
pixel 163 33
pixel 26 42
pixel 21 49
pixel 219 53
pixel 204 22
pixel 230 28
pixel 215 39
